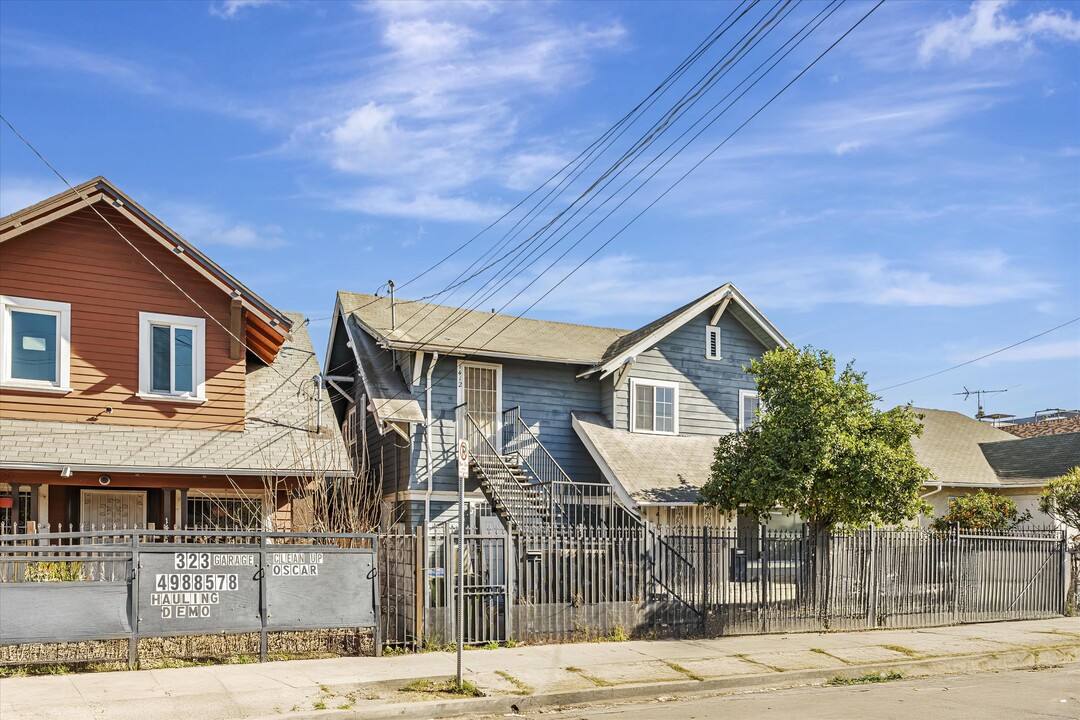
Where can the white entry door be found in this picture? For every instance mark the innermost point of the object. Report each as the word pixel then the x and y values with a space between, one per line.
pixel 480 386
pixel 108 509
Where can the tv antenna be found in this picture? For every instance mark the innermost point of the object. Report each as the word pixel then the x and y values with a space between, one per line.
pixel 978 396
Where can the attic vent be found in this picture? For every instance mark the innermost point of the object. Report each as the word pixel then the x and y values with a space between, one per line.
pixel 712 342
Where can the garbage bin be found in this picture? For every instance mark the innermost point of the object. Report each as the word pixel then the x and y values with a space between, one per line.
pixel 738 565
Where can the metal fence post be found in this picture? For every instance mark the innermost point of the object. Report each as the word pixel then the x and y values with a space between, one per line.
pixel 957 573
pixel 1066 576
pixel 871 584
pixel 133 595
pixel 763 572
pixel 263 606
pixel 376 595
pixel 706 570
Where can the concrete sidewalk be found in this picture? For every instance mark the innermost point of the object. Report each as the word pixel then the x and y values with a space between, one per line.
pixel 534 677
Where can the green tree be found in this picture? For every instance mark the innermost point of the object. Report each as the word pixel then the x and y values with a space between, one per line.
pixel 1061 501
pixel 821 449
pixel 981 511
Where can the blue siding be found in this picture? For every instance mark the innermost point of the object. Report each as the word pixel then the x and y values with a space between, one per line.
pixel 708 389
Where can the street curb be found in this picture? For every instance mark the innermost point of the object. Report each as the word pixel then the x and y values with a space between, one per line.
pixel 501 704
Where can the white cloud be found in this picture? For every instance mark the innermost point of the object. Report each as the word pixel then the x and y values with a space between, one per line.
pixel 17 193
pixel 1030 352
pixel 393 202
pixel 203 226
pixel 969 279
pixel 229 9
pixel 986 25
pixel 439 110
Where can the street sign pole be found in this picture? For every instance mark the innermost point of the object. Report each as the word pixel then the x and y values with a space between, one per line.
pixel 463 473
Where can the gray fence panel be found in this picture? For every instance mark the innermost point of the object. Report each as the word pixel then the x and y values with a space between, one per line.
pixel 198 591
pixel 309 588
pixel 75 611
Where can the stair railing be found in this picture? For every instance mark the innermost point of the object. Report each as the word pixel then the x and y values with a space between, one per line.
pixel 507 491
pixel 521 442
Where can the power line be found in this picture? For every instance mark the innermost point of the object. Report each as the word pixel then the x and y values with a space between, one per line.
pixel 92 206
pixel 669 189
pixel 981 357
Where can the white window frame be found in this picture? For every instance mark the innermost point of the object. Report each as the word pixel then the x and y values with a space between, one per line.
pixel 62 311
pixel 634 383
pixel 198 325
pixel 709 330
pixel 745 422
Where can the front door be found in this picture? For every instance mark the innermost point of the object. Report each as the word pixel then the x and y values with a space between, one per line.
pixel 109 509
pixel 480 388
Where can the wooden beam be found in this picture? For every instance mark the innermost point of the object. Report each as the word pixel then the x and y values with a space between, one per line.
pixel 236 328
pixel 417 367
pixel 720 310
pixel 622 374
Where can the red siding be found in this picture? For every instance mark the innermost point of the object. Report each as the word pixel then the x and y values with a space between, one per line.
pixel 78 259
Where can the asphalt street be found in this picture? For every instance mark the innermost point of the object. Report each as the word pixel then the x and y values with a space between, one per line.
pixel 1019 695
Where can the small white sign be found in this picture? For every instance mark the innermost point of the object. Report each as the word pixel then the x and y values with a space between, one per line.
pixel 33 343
pixel 463 460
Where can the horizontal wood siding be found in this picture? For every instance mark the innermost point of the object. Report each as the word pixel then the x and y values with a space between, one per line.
pixel 708 389
pixel 80 260
pixel 389 455
pixel 443 428
pixel 547 393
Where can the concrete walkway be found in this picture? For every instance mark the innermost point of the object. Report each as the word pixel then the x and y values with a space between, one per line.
pixel 534 677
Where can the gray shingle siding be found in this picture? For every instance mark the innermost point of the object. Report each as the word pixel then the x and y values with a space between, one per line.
pixel 708 389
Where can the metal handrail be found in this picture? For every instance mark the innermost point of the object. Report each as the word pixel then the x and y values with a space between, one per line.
pixel 506 490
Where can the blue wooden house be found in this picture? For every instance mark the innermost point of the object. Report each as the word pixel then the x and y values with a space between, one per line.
pixel 565 423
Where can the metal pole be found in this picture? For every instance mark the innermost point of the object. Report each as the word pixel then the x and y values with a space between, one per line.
pixel 461 560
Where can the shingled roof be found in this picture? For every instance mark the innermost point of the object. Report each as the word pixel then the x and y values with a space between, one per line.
pixel 1036 459
pixel 961 451
pixel 651 469
pixel 278 437
pixel 442 328
pixel 1044 427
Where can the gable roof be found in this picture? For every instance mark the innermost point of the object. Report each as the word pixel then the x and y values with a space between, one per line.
pixel 278 437
pixel 266 326
pixel 387 393
pixel 649 335
pixel 445 329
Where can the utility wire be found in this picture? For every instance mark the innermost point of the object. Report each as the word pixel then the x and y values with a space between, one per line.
pixel 981 357
pixel 662 195
pixel 92 206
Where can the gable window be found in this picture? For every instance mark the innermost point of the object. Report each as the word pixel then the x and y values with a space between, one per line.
pixel 172 356
pixel 35 339
pixel 654 406
pixel 712 342
pixel 750 408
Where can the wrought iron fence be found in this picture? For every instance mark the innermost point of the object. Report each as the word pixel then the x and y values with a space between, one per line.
pixel 569 583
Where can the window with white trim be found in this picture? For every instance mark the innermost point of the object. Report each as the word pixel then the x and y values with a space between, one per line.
pixel 750 408
pixel 172 357
pixel 654 407
pixel 35 344
pixel 712 342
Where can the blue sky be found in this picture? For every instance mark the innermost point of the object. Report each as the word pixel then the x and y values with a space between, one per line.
pixel 912 202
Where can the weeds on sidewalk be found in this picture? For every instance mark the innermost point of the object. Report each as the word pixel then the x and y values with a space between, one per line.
pixel 867 679
pixel 445 687
pixel 522 688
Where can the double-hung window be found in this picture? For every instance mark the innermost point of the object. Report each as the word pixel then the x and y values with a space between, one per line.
pixel 654 407
pixel 35 351
pixel 172 352
pixel 750 408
